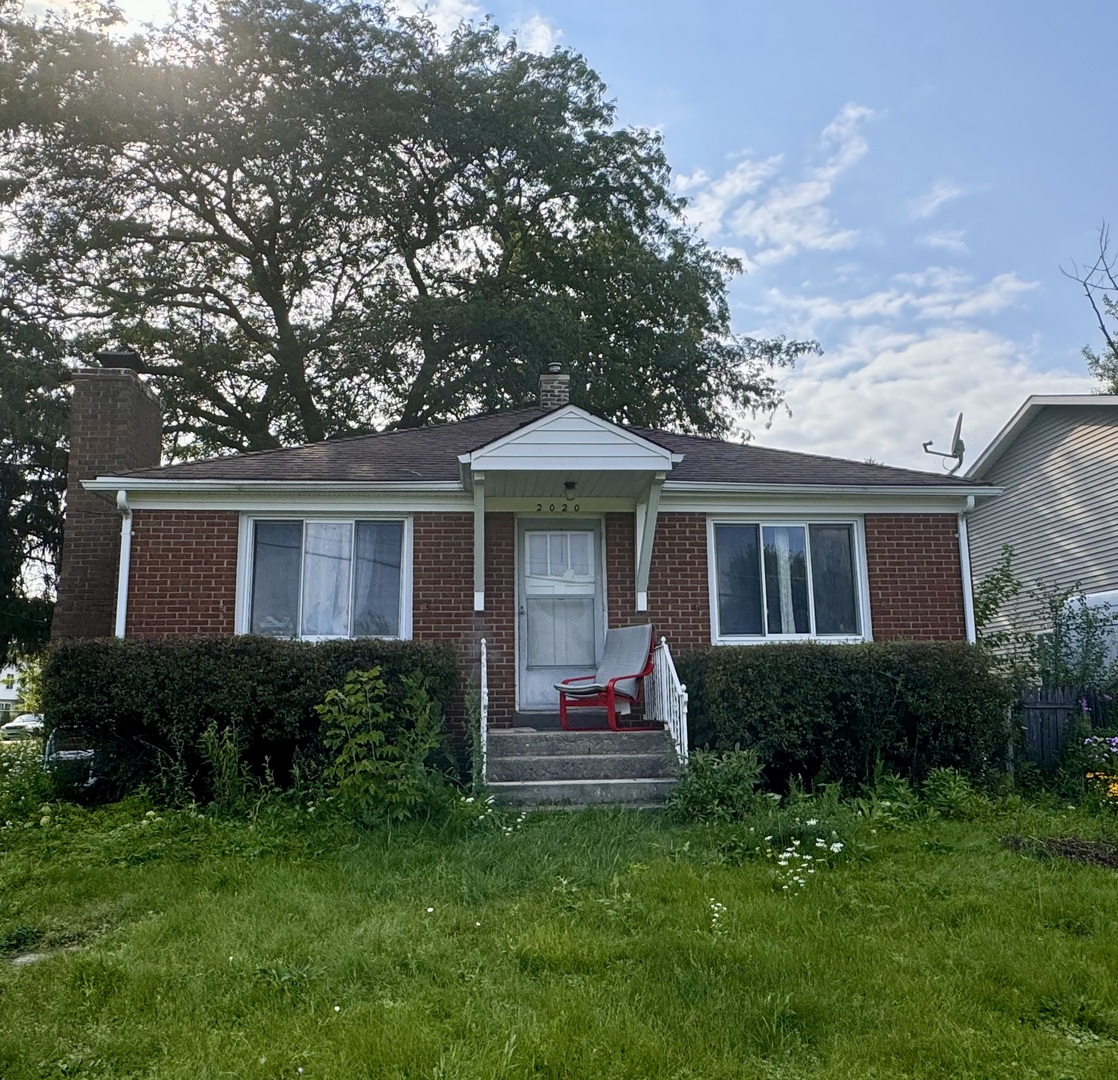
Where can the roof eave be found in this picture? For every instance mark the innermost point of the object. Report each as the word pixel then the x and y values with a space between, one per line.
pixel 712 487
pixel 198 486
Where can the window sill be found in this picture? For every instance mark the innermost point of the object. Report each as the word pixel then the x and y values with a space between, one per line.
pixel 787 639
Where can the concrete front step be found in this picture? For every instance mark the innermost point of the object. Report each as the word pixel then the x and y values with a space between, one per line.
pixel 528 767
pixel 516 742
pixel 645 792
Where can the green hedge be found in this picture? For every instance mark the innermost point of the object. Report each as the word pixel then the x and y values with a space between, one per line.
pixel 143 705
pixel 834 711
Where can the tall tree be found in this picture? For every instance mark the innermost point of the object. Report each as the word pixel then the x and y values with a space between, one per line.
pixel 33 423
pixel 1099 281
pixel 311 219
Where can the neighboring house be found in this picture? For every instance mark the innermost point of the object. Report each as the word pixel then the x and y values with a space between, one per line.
pixel 1056 462
pixel 9 690
pixel 536 529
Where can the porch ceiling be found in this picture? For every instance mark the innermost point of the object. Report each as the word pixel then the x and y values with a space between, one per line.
pixel 550 485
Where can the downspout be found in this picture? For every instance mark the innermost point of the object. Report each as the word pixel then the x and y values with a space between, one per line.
pixel 964 565
pixel 125 561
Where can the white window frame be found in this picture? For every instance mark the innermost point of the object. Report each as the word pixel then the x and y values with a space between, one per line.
pixel 245 545
pixel 861 578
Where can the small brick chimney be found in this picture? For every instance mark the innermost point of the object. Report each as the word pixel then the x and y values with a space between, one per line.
pixel 555 388
pixel 115 428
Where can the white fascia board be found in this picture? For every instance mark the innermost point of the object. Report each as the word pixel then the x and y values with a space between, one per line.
pixel 477 457
pixel 816 504
pixel 1021 420
pixel 284 495
pixel 718 488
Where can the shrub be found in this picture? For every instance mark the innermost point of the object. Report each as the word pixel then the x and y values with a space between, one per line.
pixel 950 794
pixel 382 762
pixel 24 783
pixel 839 711
pixel 717 786
pixel 145 705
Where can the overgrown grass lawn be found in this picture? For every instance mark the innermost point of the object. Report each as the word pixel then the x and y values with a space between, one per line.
pixel 590 944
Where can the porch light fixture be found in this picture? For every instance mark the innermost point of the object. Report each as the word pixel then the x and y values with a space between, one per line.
pixel 569 488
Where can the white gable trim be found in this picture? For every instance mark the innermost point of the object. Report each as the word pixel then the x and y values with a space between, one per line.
pixel 567 440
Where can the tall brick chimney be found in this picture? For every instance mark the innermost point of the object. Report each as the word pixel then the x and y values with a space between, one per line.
pixel 555 388
pixel 115 428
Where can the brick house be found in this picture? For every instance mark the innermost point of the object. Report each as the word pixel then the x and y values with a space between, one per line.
pixel 535 529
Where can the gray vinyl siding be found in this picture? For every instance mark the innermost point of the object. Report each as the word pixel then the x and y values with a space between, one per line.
pixel 1059 509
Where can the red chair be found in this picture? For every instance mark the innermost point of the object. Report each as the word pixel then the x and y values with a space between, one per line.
pixel 616 685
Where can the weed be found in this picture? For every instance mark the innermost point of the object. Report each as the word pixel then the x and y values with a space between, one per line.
pixel 380 764
pixel 949 793
pixel 24 783
pixel 717 787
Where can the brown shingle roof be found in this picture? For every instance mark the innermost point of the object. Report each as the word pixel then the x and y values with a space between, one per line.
pixel 431 454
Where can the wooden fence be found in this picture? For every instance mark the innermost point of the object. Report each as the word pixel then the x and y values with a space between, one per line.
pixel 1047 716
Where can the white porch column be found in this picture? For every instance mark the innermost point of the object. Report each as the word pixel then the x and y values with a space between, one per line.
pixel 647 510
pixel 479 541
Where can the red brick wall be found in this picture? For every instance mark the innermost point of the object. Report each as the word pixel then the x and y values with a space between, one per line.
pixel 183 577
pixel 678 591
pixel 114 430
pixel 443 596
pixel 916 584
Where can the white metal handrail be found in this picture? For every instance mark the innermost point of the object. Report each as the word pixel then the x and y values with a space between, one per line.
pixel 665 698
pixel 484 734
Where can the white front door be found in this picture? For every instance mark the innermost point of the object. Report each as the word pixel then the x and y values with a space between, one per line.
pixel 561 607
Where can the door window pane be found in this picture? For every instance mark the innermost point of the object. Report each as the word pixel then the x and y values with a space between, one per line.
pixel 559 563
pixel 786 580
pixel 277 551
pixel 832 579
pixel 738 569
pixel 326 578
pixel 537 554
pixel 557 555
pixel 376 591
pixel 581 557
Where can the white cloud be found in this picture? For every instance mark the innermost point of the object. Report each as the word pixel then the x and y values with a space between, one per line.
pixel 712 199
pixel 938 195
pixel 444 14
pixel 936 294
pixel 537 35
pixel 951 240
pixel 775 221
pixel 883 393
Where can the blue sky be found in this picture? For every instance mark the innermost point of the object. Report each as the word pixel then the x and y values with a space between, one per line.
pixel 903 182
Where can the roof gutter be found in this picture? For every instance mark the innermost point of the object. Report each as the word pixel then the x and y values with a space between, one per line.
pixel 125 562
pixel 712 487
pixel 316 487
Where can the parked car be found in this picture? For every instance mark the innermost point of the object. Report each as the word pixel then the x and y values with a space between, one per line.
pixel 25 726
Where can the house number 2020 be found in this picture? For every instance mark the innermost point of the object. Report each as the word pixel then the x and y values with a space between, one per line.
pixel 552 508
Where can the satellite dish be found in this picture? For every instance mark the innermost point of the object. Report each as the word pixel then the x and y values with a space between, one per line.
pixel 958 447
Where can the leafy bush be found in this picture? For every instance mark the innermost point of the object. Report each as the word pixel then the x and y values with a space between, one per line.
pixel 949 793
pixel 887 799
pixel 839 711
pixel 145 705
pixel 382 762
pixel 24 783
pixel 717 786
